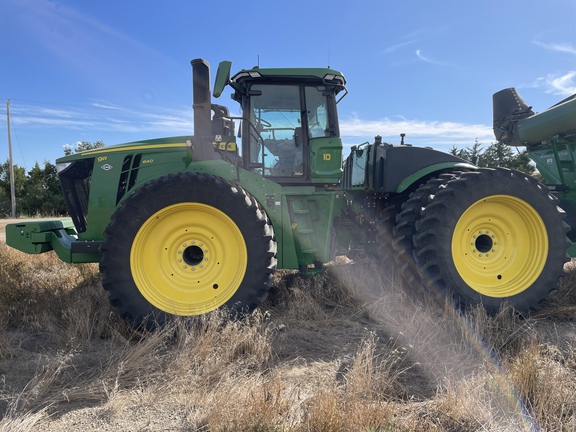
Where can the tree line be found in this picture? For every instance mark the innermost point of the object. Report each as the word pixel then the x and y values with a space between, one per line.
pixel 496 155
pixel 38 191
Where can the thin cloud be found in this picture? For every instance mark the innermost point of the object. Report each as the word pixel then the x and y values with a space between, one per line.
pixel 405 40
pixel 421 57
pixel 562 85
pixel 105 118
pixel 106 106
pixel 427 59
pixel 437 134
pixel 558 84
pixel 399 45
pixel 50 122
pixel 50 112
pixel 559 47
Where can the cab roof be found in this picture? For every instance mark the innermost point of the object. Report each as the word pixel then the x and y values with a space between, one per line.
pixel 327 75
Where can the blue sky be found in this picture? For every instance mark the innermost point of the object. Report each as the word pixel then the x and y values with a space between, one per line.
pixel 119 71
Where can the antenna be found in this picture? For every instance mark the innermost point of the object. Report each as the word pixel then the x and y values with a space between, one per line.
pixel 329 52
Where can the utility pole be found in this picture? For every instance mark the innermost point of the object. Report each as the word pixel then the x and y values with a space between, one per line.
pixel 12 187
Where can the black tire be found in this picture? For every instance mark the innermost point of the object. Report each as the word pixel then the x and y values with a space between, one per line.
pixel 492 236
pixel 405 226
pixel 384 229
pixel 185 244
pixel 570 217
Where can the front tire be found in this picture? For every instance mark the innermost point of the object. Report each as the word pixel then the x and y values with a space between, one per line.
pixel 186 244
pixel 492 236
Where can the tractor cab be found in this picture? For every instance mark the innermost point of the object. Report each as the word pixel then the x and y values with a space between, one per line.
pixel 289 125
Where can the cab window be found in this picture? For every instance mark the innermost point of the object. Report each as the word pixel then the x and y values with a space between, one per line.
pixel 316 112
pixel 276 113
pixel 284 117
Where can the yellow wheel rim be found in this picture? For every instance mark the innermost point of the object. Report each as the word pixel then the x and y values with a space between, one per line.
pixel 500 246
pixel 188 259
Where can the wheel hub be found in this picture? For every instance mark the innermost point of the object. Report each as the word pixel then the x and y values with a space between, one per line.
pixel 499 246
pixel 483 243
pixel 192 255
pixel 188 259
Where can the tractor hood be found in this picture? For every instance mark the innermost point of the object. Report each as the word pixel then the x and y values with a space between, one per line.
pixel 134 146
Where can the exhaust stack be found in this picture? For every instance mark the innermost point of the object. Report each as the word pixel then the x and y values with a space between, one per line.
pixel 202 105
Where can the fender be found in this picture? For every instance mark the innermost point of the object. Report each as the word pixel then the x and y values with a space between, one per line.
pixel 394 168
pixel 415 177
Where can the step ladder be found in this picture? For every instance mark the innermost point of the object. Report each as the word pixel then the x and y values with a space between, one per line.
pixel 301 222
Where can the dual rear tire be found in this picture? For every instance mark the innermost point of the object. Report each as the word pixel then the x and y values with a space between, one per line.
pixel 490 236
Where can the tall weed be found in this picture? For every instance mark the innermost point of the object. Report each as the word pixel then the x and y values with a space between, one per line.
pixel 349 349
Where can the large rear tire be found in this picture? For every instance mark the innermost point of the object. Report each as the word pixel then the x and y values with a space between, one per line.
pixel 492 236
pixel 384 230
pixel 405 225
pixel 186 244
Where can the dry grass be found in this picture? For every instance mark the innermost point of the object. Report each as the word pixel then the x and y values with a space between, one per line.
pixel 347 350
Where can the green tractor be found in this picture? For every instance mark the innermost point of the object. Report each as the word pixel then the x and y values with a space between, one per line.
pixel 186 225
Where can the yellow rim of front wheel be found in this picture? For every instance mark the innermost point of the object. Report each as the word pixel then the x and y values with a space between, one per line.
pixel 188 259
pixel 500 246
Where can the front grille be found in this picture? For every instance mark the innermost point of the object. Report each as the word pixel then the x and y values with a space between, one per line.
pixel 128 175
pixel 75 183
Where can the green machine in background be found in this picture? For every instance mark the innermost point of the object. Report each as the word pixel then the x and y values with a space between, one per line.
pixel 550 141
pixel 185 225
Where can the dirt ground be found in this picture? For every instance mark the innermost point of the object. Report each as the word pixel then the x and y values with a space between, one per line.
pixel 309 355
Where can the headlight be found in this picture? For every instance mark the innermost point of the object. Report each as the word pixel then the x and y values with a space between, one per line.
pixel 62 166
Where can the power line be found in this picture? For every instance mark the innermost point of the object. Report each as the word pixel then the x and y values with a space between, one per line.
pixel 15 130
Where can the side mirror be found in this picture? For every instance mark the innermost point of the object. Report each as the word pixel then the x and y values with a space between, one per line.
pixel 222 77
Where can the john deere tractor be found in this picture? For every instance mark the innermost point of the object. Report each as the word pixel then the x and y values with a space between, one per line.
pixel 188 224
